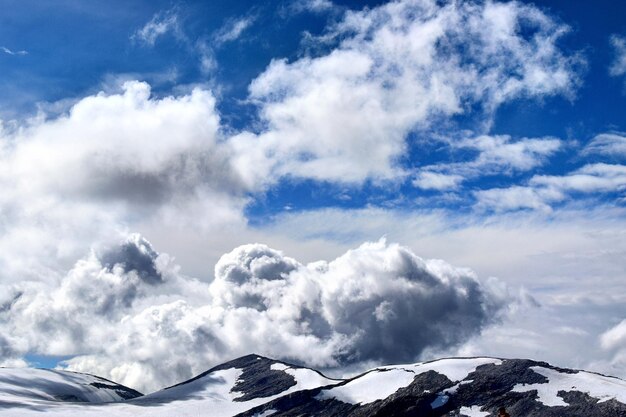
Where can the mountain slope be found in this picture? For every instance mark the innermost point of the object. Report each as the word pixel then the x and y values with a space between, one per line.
pixel 37 388
pixel 254 386
pixel 237 386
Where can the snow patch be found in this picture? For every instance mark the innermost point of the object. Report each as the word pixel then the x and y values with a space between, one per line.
pixel 308 379
pixel 455 369
pixel 454 389
pixel 373 386
pixel 381 382
pixel 473 411
pixel 603 388
pixel 278 366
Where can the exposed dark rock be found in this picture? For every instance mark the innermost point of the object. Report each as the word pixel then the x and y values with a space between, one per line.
pixel 259 380
pixel 124 392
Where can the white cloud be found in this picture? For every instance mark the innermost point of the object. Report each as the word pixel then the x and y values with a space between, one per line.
pixel 111 161
pixel 436 181
pixel 12 52
pixel 608 144
pixel 232 29
pixel 161 24
pixel 501 154
pixel 591 178
pixel 544 190
pixel 516 197
pixel 496 155
pixel 618 67
pixel 615 337
pixel 124 305
pixel 613 341
pixel 315 6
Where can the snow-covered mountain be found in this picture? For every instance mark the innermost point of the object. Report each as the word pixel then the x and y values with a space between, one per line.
pixel 254 386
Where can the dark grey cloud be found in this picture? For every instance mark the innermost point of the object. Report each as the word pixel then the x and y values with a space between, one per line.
pixel 135 255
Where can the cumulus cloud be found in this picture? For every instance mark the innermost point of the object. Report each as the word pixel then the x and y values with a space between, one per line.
pixel 607 144
pixel 146 325
pixel 81 312
pixel 618 67
pixel 130 148
pixel 161 24
pixel 112 159
pixel 559 255
pixel 344 116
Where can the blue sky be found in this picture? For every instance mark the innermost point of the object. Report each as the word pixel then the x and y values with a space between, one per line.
pixel 487 134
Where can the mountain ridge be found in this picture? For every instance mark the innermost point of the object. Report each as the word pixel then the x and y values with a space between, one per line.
pixel 254 386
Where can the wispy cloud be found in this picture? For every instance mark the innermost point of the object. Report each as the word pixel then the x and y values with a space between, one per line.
pixel 428 180
pixel 618 67
pixel 516 197
pixel 608 144
pixel 160 25
pixel 544 190
pixel 496 155
pixel 230 31
pixel 591 178
pixel 12 52
pixel 233 29
pixel 314 6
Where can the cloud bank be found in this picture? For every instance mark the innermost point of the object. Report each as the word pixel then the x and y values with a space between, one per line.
pixel 146 325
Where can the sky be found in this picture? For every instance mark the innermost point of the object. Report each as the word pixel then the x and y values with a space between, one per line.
pixel 337 184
